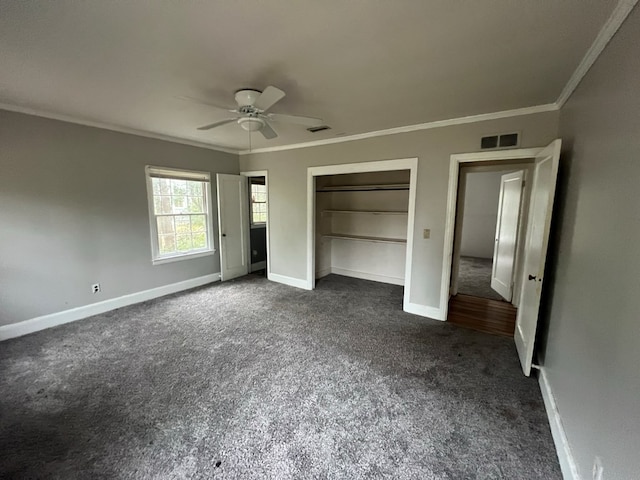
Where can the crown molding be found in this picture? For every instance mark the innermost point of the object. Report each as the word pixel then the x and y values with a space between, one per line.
pixel 113 128
pixel 550 107
pixel 608 30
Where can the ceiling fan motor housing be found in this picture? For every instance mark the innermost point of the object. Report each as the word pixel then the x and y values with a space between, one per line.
pixel 247 97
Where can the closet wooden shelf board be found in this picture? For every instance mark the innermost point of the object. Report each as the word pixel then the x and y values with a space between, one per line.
pixel 364 188
pixel 365 238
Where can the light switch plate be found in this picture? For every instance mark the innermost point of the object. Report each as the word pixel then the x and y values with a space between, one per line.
pixel 426 233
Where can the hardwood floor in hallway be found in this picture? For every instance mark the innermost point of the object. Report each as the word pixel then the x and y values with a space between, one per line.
pixel 482 314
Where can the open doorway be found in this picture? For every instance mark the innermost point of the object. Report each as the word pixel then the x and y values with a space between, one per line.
pixel 258 218
pixel 488 248
pixel 533 248
pixel 489 230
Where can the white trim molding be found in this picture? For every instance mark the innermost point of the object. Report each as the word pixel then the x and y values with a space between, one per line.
pixel 254 267
pixel 563 449
pixel 113 128
pixel 608 30
pixel 66 316
pixel 551 107
pixel 366 276
pixel 292 282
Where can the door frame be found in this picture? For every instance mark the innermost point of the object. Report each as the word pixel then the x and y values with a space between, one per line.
pixel 456 160
pixel 410 164
pixel 265 174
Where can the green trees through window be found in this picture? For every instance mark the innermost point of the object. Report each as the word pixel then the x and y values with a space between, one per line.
pixel 180 208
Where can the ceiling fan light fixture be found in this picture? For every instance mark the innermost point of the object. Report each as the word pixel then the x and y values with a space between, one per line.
pixel 251 124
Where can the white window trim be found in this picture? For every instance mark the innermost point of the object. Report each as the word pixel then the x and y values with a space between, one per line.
pixel 205 177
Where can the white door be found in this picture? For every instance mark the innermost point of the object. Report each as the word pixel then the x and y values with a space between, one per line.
pixel 504 250
pixel 233 225
pixel 540 210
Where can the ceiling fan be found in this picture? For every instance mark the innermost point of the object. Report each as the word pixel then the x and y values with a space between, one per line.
pixel 251 112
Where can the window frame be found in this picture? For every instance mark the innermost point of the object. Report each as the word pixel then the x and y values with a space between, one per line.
pixel 179 174
pixel 251 203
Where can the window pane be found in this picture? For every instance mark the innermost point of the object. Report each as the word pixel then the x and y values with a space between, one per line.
pixel 196 205
pixel 165 186
pixel 165 205
pixel 183 224
pixel 165 225
pixel 166 244
pixel 180 212
pixel 179 204
pixel 178 187
pixel 183 243
pixel 261 217
pixel 198 223
pixel 194 189
pixel 199 240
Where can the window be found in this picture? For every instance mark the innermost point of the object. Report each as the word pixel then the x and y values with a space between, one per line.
pixel 258 201
pixel 180 213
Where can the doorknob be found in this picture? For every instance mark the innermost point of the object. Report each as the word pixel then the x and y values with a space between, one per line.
pixel 224 235
pixel 532 277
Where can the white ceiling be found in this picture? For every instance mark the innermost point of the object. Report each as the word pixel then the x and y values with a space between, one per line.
pixel 360 65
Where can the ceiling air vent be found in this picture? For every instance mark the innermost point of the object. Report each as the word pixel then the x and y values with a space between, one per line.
pixel 504 140
pixel 318 128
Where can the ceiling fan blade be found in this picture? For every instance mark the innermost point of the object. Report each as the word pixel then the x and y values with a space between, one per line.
pixel 268 98
pixel 217 124
pixel 204 102
pixel 306 121
pixel 268 132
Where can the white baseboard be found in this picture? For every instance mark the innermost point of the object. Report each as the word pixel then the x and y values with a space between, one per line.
pixel 567 462
pixel 292 282
pixel 424 311
pixel 47 321
pixel 258 266
pixel 323 272
pixel 368 276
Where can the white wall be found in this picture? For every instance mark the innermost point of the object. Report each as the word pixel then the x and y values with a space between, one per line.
pixel 592 352
pixel 480 214
pixel 288 197
pixel 73 212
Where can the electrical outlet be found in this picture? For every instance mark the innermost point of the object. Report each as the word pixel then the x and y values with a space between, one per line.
pixel 598 469
pixel 426 233
pixel 95 288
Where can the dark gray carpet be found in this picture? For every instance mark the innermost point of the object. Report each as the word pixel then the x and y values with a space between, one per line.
pixel 474 278
pixel 253 379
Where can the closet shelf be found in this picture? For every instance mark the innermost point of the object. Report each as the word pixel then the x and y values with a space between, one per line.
pixel 363 238
pixel 364 188
pixel 369 212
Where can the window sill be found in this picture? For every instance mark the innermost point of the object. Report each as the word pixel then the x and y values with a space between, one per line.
pixel 259 225
pixel 187 256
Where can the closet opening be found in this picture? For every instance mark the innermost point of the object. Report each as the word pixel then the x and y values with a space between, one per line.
pixel 360 221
